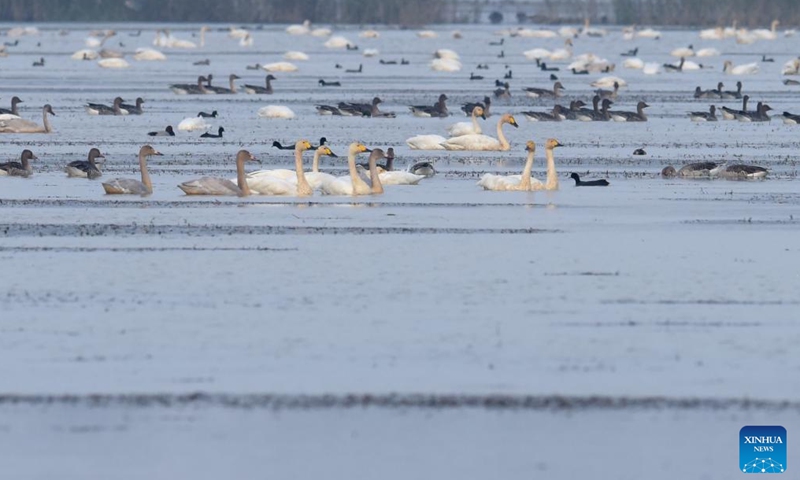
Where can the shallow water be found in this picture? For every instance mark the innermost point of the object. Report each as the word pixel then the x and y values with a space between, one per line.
pixel 649 287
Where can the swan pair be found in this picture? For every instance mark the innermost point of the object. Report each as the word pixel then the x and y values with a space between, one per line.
pixel 473 141
pixel 525 182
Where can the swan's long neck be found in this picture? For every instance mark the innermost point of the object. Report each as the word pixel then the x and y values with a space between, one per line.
pixel 315 164
pixel 241 178
pixel 525 183
pixel 375 178
pixel 303 188
pixel 475 125
pixel 145 174
pixel 233 86
pixel 46 121
pixel 354 177
pixel 552 177
pixel 503 142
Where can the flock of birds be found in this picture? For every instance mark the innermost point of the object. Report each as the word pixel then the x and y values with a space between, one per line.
pixel 369 178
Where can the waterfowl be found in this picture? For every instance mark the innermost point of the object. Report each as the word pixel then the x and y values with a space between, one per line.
pixel 257 89
pixel 256 66
pixel 275 111
pixel 213 114
pixel 709 116
pixel 127 186
pixel 468 108
pixel 509 75
pixel 608 82
pixel 192 89
pixel 637 116
pixel 148 54
pixel 573 111
pixel 555 116
pixel 693 170
pixel 504 92
pixel 222 186
pixel 743 172
pixel 339 42
pixel 545 93
pixel 222 90
pixel 790 118
pixel 467 128
pixel 20 125
pixel 167 132
pixel 100 109
pixel 206 62
pixel 84 54
pixel 746 69
pixel 386 167
pixel 113 63
pixel 683 51
pixel 327 110
pixel 425 169
pixel 791 82
pixel 39 63
pixel 608 93
pixel 352 184
pixel 730 113
pixel 280 67
pixel 133 109
pixel 303 29
pixel 389 176
pixel 314 177
pixel 729 94
pixel 387 62
pixel 639 151
pixel 669 67
pixel 472 76
pixel 21 168
pixel 630 53
pixel 525 182
pixel 85 168
pixel 764 59
pixel 14 110
pixel 439 109
pixel 213 135
pixel 590 183
pixel 323 83
pixel 483 142
pixel 426 142
pixel 707 52
pixel 267 184
pixel 595 114
pixel 792 67
pixel 543 67
pixel 369 34
pixel 191 124
pixel 764 34
pixel 760 114
pixel 357 70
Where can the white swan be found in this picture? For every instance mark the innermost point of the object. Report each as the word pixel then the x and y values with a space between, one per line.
pixel 683 52
pixel 280 67
pixel 351 184
pixel 113 63
pixel 275 111
pixel 562 53
pixel 792 67
pixel 191 124
pixel 708 52
pixel 148 54
pixel 270 185
pixel 537 53
pixel 314 177
pixel 85 54
pixel 649 33
pixel 321 32
pixel 745 69
pixel 533 33
pixel 445 65
pixel 764 34
pixel 246 41
pixel 608 82
pixel 712 33
pixel 337 42
pixel 127 186
pixel 237 33
pixel 483 142
pixel 222 186
pixel 371 52
pixel 651 68
pixel 427 34
pixel 303 29
pixel 468 128
pixel 369 34
pixel 20 125
pixel 426 142
pixel 524 182
pixel 295 55
pixel 633 63
pixel 446 53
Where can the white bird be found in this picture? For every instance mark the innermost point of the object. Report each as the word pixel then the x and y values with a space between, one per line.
pixel 764 34
pixel 295 55
pixel 337 42
pixel 478 142
pixel 191 124
pixel 321 32
pixel 426 142
pixel 525 182
pixel 532 33
pixel 792 67
pixel 275 111
pixel 237 33
pixel 351 184
pixel 712 34
pixel 562 53
pixel 633 63
pixel 427 34
pixel 568 32
pixel 745 69
pixel 683 52
pixel 707 52
pixel 303 29
pixel 314 177
pixel 85 54
pixel 648 33
pixel 369 34
pixel 148 54
pixel 537 53
pixel 280 67
pixel 222 186
pixel 113 63
pixel 468 128
pixel 608 82
pixel 271 185
pixel 445 65
pixel 447 54
pixel 21 125
pixel 651 68
pixel 246 41
pixel 371 52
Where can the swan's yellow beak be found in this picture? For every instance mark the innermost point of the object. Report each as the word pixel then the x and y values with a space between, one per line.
pixel 305 144
pixel 329 152
pixel 363 148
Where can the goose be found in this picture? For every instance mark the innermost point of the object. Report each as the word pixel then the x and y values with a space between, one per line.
pixel 213 135
pixel 608 93
pixel 423 168
pixel 708 52
pixel 637 116
pixel 133 109
pixel 303 29
pixel 709 116
pixel 608 82
pixel 191 124
pixel 639 151
pixel 472 76
pixel 574 110
pixel 790 82
pixel 191 89
pixel 39 63
pixel 127 186
pixel 213 114
pixel 100 109
pixel 590 183
pixel 208 62
pixel 764 59
pixel 730 113
pixel 693 170
pixel 148 54
pixel 113 63
pixel 222 186
pixel 85 168
pixel 387 62
pixel 268 184
pixel 439 109
pixel 167 132
pixel 357 70
pixel 275 111
pixel 257 89
pixel 746 69
pixel 280 67
pixel 366 109
pixel 729 94
pixel 504 183
pixel 327 110
pixel 594 113
pixel 14 110
pixel 630 53
pixel 21 168
pixel 760 115
pixel 555 116
pixel 504 92
pixel 467 128
pixel 669 67
pixel 545 93
pixel 743 172
pixel 352 184
pixel 683 52
pixel 20 125
pixel 508 75
pixel 483 142
pixel 468 108
pixel 323 83
pixel 790 118
pixel 387 167
pixel 223 90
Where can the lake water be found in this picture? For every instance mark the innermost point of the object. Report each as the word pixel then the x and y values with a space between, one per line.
pixel 650 288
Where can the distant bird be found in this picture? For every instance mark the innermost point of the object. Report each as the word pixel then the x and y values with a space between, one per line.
pixel 213 135
pixel 497 44
pixel 765 59
pixel 403 61
pixel 257 66
pixel 508 75
pixel 360 69
pixel 545 68
pixel 789 81
pixel 639 151
pixel 591 183
pixel 709 116
pixel 202 62
pixel 213 114
pixel 323 83
pixel 388 62
pixel 631 53
pixel 40 63
pixel 472 76
pixel 167 132
pixel 502 54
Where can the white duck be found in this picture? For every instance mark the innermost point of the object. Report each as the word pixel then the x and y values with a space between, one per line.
pixel 270 185
pixel 468 128
pixel 351 184
pixel 483 142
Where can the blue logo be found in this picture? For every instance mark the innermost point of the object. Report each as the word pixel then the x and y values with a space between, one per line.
pixel 762 449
